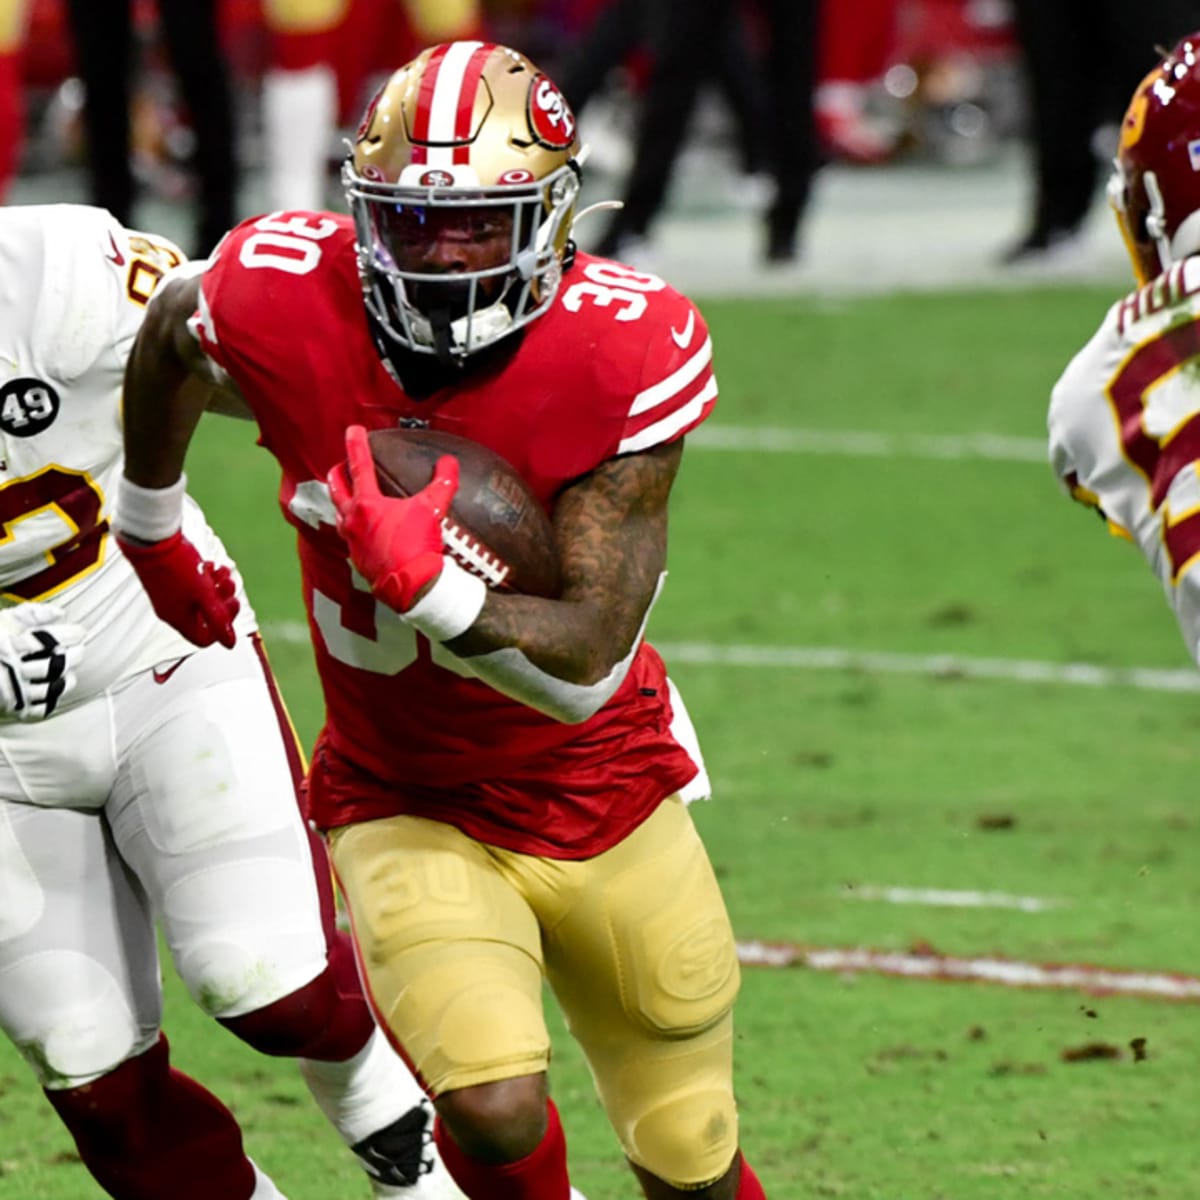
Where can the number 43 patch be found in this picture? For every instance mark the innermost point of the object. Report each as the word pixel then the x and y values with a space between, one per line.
pixel 27 407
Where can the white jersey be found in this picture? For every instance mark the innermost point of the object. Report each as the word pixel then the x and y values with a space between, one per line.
pixel 1124 428
pixel 73 290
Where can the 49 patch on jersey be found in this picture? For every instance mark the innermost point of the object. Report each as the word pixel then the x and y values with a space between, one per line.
pixel 27 407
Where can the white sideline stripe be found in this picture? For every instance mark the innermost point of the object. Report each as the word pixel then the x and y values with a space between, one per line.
pixel 950 666
pixel 994 446
pixel 944 898
pixel 823 658
pixel 1006 972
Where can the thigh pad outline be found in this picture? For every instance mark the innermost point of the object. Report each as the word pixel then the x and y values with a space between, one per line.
pixel 676 958
pixel 79 979
pixel 450 949
pixel 74 1022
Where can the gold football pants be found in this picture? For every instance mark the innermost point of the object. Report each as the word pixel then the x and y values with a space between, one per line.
pixel 455 937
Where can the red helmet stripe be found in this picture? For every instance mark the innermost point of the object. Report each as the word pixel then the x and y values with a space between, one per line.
pixel 446 101
pixel 429 78
pixel 466 100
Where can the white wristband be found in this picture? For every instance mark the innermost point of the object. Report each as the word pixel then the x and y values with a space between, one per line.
pixel 149 514
pixel 451 606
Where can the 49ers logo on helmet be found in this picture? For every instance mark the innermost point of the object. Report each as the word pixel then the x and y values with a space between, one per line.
pixel 550 118
pixel 436 179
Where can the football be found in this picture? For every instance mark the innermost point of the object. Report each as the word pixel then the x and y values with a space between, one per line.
pixel 496 528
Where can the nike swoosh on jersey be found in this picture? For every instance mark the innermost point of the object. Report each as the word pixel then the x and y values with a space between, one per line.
pixel 116 256
pixel 163 676
pixel 683 338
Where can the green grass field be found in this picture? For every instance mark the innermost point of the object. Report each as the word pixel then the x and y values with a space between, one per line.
pixel 889 773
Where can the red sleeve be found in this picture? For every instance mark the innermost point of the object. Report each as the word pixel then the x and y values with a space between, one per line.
pixel 227 304
pixel 261 296
pixel 676 388
pixel 648 348
pixel 620 364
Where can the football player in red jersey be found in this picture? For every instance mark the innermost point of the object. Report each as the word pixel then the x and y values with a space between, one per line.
pixel 503 779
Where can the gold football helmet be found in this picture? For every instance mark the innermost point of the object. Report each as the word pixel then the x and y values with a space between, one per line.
pixel 462 180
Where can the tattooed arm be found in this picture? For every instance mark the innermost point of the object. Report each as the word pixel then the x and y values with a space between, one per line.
pixel 566 657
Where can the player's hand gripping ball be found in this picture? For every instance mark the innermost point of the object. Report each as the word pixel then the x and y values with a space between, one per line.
pixel 490 522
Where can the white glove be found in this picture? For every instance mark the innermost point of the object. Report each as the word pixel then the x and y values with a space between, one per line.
pixel 39 650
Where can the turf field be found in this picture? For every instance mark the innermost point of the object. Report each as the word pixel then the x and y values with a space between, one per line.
pixel 876 598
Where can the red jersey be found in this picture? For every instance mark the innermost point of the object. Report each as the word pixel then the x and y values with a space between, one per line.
pixel 619 363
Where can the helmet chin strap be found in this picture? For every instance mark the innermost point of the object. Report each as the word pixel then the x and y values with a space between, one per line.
pixel 448 338
pixel 1156 223
pixel 441 327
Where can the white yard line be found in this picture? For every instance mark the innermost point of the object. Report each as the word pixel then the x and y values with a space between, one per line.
pixel 954 666
pixel 948 898
pixel 996 447
pixel 834 658
pixel 1006 972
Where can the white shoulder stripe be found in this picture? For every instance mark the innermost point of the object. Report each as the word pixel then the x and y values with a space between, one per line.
pixel 672 423
pixel 674 383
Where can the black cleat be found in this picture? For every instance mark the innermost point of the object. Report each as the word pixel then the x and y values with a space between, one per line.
pixel 401 1153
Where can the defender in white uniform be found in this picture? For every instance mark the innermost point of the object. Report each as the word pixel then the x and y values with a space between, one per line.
pixel 1124 417
pixel 144 779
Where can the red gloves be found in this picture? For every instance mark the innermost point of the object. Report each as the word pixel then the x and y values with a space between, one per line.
pixel 396 545
pixel 193 596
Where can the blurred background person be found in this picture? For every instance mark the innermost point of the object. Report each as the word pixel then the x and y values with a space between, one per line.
pixel 103 34
pixel 611 36
pixel 857 40
pixel 12 110
pixel 1082 60
pixel 790 38
pixel 687 41
pixel 617 39
pixel 319 54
